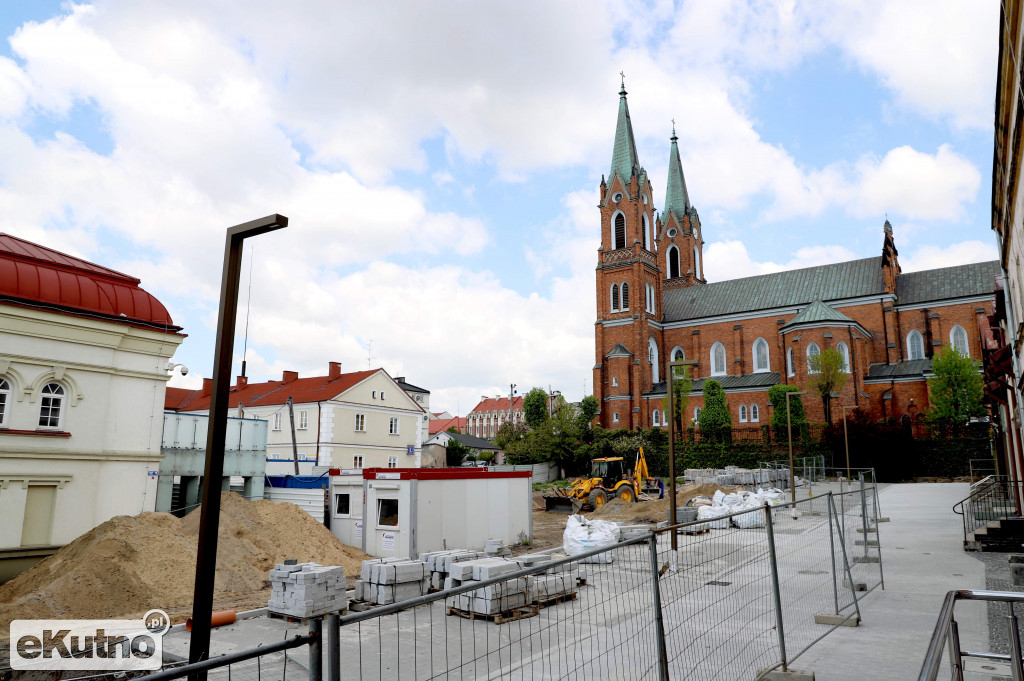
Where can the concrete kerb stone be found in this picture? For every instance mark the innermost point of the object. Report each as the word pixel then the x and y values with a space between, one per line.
pixel 788 675
pixel 836 620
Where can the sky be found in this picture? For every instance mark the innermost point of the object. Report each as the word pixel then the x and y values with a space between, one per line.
pixel 440 162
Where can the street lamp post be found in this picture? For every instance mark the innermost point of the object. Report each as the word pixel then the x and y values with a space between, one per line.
pixel 846 439
pixel 789 429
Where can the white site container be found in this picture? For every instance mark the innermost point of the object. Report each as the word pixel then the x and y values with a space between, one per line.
pixel 408 511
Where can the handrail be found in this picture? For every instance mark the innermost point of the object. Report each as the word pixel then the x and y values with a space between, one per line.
pixel 946 634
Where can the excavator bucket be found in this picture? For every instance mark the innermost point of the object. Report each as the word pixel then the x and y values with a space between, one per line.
pixel 559 503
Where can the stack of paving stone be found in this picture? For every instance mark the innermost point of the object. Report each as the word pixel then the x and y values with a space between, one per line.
pixel 440 562
pixel 489 600
pixel 544 589
pixel 390 580
pixel 307 590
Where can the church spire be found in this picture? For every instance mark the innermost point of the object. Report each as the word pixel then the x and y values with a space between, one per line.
pixel 625 160
pixel 677 200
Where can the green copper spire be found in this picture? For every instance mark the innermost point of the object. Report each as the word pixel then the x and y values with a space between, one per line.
pixel 625 161
pixel 677 200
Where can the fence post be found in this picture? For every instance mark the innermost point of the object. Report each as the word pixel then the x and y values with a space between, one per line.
pixel 315 646
pixel 846 561
pixel 658 621
pixel 832 549
pixel 773 562
pixel 863 513
pixel 333 648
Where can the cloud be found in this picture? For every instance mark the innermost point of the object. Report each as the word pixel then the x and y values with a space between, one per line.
pixel 730 260
pixel 933 257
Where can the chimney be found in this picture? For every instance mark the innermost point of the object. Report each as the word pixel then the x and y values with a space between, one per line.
pixel 241 382
pixel 333 371
pixel 207 387
pixel 484 398
pixel 289 376
pixel 400 379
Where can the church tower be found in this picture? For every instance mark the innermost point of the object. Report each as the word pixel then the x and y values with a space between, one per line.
pixel 681 244
pixel 628 346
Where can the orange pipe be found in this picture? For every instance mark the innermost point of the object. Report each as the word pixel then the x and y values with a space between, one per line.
pixel 218 619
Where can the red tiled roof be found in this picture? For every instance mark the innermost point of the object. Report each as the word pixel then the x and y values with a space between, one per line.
pixel 38 276
pixel 270 393
pixel 498 404
pixel 175 396
pixel 440 425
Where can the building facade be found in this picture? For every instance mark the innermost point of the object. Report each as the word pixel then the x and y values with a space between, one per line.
pixel 491 412
pixel 362 419
pixel 654 304
pixel 84 357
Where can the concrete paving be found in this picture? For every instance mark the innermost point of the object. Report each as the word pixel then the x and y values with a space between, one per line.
pixel 922 549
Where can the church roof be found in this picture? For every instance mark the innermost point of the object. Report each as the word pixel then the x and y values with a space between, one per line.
pixel 619 351
pixel 677 199
pixel 902 369
pixel 763 379
pixel 818 312
pixel 625 160
pixel 836 281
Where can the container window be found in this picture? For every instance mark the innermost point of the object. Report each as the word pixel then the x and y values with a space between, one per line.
pixel 387 512
pixel 341 502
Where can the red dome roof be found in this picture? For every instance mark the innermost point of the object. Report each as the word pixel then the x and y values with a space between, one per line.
pixel 34 275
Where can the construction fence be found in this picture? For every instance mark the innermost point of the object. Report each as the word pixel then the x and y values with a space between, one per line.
pixel 729 598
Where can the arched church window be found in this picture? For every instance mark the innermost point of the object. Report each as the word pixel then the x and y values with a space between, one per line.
pixel 620 231
pixel 677 354
pixel 673 262
pixel 652 355
pixel 696 260
pixel 717 359
pixel 915 345
pixel 646 228
pixel 615 297
pixel 790 371
pixel 812 351
pixel 958 339
pixel 761 355
pixel 625 296
pixel 844 352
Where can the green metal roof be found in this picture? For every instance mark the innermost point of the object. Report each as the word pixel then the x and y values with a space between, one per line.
pixel 677 200
pixel 625 160
pixel 961 281
pixel 818 312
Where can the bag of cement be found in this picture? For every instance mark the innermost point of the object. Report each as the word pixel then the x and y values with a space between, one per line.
pixel 713 514
pixel 582 535
pixel 753 518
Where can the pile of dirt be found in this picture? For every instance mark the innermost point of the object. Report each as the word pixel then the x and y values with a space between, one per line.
pixel 131 564
pixel 654 511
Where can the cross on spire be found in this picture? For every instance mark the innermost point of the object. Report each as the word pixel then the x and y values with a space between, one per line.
pixel 623 74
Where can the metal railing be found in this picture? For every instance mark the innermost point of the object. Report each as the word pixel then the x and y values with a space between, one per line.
pixel 738 600
pixel 992 498
pixel 957 661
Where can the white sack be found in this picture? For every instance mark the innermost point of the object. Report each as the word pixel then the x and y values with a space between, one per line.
pixel 582 535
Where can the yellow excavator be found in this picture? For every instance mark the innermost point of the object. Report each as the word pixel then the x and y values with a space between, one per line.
pixel 609 479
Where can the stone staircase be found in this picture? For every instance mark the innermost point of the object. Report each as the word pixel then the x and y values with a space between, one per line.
pixel 1002 535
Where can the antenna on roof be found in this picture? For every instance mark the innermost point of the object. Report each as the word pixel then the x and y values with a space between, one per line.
pixel 369 355
pixel 248 299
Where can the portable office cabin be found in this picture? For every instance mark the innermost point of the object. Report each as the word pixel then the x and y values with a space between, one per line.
pixel 406 511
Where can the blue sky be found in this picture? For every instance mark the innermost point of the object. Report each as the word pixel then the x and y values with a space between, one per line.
pixel 439 162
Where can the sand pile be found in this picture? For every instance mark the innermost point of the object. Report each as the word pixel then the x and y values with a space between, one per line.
pixel 654 511
pixel 131 564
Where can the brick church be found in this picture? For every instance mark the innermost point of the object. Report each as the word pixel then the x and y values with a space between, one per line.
pixel 752 333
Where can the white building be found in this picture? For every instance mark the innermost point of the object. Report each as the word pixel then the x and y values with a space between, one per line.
pixel 83 367
pixel 362 419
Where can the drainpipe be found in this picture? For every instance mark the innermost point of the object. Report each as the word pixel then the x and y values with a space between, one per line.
pixel 319 412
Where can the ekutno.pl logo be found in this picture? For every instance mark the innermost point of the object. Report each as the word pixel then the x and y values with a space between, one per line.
pixel 86 645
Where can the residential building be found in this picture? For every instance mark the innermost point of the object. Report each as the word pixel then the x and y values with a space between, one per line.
pixel 422 397
pixel 436 447
pixel 362 419
pixel 488 415
pixel 84 355
pixel 437 425
pixel 654 302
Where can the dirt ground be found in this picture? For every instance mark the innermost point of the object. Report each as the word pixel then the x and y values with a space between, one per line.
pixel 548 526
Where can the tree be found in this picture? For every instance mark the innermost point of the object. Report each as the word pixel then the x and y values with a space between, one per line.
pixel 535 407
pixel 715 420
pixel 588 410
pixel 682 384
pixel 777 396
pixel 828 375
pixel 509 433
pixel 955 392
pixel 456 453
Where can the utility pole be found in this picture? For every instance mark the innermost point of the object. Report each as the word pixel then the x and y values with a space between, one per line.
pixel 295 446
pixel 511 400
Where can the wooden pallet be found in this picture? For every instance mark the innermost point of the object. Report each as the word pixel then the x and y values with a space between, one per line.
pixel 292 619
pixel 555 600
pixel 691 533
pixel 499 617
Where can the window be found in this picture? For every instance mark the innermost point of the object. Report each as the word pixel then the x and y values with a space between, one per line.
pixel 844 352
pixel 645 230
pixel 696 413
pixel 958 339
pixel 341 504
pixel 50 405
pixel 743 413
pixel 615 381
pixel 620 231
pixel 915 345
pixel 392 462
pixel 761 355
pixel 789 363
pixel 755 414
pixel 717 359
pixel 5 399
pixel 361 423
pixel 393 426
pixel 387 512
pixel 696 260
pixel 615 297
pixel 303 419
pixel 38 524
pixel 374 394
pixel 625 296
pixel 419 398
pixel 672 254
pixel 615 417
pixel 652 356
pixel 277 421
pixel 677 354
pixel 382 394
pixel 812 351
pixel 655 420
pixel 357 461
